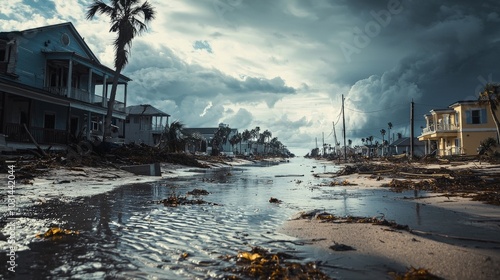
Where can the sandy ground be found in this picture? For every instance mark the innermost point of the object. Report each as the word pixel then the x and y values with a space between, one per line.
pixel 380 250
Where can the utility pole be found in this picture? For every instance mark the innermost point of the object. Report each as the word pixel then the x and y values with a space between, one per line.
pixel 324 151
pixel 412 132
pixel 337 144
pixel 343 129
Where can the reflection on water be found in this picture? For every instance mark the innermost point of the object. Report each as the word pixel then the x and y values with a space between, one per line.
pixel 124 234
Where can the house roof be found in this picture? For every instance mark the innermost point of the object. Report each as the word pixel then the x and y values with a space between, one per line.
pixel 463 102
pixel 144 110
pixel 69 25
pixel 91 57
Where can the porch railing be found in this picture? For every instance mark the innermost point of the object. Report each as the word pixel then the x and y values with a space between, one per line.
pixel 16 132
pixel 439 128
pixel 85 96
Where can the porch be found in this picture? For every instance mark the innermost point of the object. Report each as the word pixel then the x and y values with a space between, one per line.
pixel 16 133
pixel 85 96
pixel 439 128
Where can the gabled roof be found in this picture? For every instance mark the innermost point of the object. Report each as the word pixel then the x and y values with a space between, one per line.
pixel 72 29
pixel 464 102
pixel 144 110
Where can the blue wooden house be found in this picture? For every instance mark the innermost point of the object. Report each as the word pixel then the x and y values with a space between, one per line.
pixel 52 83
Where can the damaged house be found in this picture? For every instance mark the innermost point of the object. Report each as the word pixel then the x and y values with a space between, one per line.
pixel 54 87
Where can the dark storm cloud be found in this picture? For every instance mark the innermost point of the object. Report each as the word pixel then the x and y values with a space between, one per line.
pixel 440 52
pixel 158 74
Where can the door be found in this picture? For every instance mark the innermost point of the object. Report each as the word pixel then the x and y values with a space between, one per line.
pixel 49 125
pixel 73 127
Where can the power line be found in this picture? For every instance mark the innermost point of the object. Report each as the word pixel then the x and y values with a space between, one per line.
pixel 376 111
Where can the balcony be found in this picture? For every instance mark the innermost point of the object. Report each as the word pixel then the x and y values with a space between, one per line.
pixel 85 96
pixel 439 128
pixel 152 128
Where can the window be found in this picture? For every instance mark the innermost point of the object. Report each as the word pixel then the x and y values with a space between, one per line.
pixel 476 116
pixel 3 51
pixel 49 121
pixel 95 126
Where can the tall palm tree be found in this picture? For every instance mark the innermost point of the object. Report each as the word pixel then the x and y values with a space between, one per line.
pixel 491 96
pixel 128 18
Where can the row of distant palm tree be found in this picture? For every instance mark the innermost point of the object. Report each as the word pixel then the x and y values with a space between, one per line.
pixel 271 145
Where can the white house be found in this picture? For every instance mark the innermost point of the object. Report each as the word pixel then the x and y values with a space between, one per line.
pixel 145 124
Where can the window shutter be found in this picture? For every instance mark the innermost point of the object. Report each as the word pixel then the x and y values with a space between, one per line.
pixel 483 116
pixel 468 117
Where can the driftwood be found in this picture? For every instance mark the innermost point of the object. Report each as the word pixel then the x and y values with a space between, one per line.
pixel 34 141
pixel 376 171
pixel 420 175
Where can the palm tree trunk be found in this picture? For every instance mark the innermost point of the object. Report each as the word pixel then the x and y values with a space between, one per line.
pixel 111 104
pixel 495 119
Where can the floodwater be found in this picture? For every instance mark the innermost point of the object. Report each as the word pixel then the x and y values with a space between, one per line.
pixel 125 234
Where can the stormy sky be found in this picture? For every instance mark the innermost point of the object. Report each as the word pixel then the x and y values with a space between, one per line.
pixel 283 65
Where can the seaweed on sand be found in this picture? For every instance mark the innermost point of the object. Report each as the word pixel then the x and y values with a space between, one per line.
pixel 261 264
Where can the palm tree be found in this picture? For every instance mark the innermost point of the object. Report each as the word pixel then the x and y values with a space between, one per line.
pixel 389 125
pixel 382 131
pixel 266 135
pixel 174 137
pixel 235 139
pixel 128 18
pixel 491 96
pixel 255 135
pixel 246 136
pixel 370 138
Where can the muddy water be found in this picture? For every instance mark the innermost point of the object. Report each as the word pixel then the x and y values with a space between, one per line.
pixel 125 234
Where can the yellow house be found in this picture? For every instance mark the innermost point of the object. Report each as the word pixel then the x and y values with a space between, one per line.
pixel 459 129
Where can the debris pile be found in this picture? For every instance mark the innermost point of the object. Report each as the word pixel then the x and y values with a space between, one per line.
pixel 55 233
pixel 327 217
pixel 261 264
pixel 274 200
pixel 198 192
pixel 415 274
pixel 481 184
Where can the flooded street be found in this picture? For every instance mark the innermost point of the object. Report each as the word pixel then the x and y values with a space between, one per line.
pixel 126 234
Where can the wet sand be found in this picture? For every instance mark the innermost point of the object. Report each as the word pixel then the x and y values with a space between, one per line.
pixel 379 248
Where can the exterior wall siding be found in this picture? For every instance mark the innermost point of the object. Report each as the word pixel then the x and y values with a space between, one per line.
pixel 30 64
